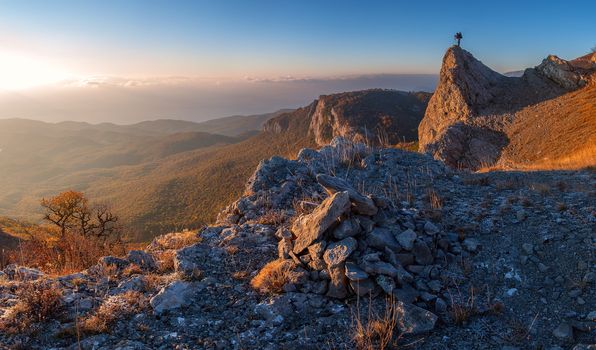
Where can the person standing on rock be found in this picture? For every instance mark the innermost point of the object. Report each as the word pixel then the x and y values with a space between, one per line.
pixel 458 36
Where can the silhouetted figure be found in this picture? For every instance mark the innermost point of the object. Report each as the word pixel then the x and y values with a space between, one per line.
pixel 458 36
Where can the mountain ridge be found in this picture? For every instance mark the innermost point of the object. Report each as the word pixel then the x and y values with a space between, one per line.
pixel 469 117
pixel 373 116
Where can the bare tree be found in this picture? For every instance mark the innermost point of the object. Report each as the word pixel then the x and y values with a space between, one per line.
pixel 62 210
pixel 106 221
pixel 70 210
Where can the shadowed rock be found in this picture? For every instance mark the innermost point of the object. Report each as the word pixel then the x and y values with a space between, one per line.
pixel 310 228
pixel 414 320
pixel 362 204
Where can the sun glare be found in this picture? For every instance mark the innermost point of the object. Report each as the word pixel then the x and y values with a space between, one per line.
pixel 22 71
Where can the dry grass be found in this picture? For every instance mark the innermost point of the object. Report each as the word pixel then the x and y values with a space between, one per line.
pixel 113 309
pixel 240 275
pixel 273 276
pixel 377 331
pixel 434 199
pixel 73 253
pixel 461 308
pixel 561 206
pixel 232 249
pixel 272 217
pixel 165 260
pixel 520 331
pixel 581 159
pixel 408 146
pixel 37 302
pixel 176 240
pixel 132 269
pixel 304 206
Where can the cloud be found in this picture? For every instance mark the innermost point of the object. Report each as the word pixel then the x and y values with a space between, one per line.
pixel 128 100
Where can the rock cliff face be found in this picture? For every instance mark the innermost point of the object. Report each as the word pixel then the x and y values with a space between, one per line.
pixel 372 116
pixel 468 117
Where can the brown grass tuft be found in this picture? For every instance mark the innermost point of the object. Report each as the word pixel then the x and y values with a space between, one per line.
pixel 272 217
pixel 113 309
pixel 462 309
pixel 74 252
pixel 434 199
pixel 273 276
pixel 176 240
pixel 165 260
pixel 377 331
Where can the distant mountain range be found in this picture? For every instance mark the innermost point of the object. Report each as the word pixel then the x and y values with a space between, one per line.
pixel 168 174
pixel 164 175
pixel 40 159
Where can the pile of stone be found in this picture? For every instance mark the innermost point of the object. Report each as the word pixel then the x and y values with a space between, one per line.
pixel 354 244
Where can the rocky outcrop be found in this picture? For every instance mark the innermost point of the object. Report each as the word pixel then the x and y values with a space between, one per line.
pixel 486 254
pixel 370 116
pixel 562 72
pixel 370 247
pixel 467 120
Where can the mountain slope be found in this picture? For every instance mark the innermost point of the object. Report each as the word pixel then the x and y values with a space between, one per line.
pixel 476 113
pixel 41 159
pixel 156 184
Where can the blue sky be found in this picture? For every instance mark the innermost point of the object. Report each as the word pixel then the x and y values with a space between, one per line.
pixel 130 60
pixel 223 39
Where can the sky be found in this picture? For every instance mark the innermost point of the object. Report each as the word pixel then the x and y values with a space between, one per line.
pixel 274 52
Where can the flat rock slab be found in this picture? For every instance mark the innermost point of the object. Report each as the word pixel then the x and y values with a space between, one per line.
pixel 362 204
pixel 310 228
pixel 380 238
pixel 406 239
pixel 338 252
pixel 355 273
pixel 413 319
pixel 174 296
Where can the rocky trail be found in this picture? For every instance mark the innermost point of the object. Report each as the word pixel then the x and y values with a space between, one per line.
pixel 498 260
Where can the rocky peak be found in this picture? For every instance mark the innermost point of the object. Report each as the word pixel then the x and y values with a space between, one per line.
pixel 467 116
pixel 371 116
pixel 568 75
pixel 465 84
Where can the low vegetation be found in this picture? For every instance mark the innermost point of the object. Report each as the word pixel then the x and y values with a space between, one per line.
pixel 376 331
pixel 74 237
pixel 37 302
pixel 274 276
pixel 113 309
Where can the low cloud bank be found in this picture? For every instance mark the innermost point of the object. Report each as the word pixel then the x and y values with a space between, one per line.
pixel 123 101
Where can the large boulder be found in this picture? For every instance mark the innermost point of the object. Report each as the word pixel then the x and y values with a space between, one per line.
pixel 308 229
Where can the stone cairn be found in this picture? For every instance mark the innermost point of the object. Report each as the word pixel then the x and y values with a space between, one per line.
pixel 353 244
